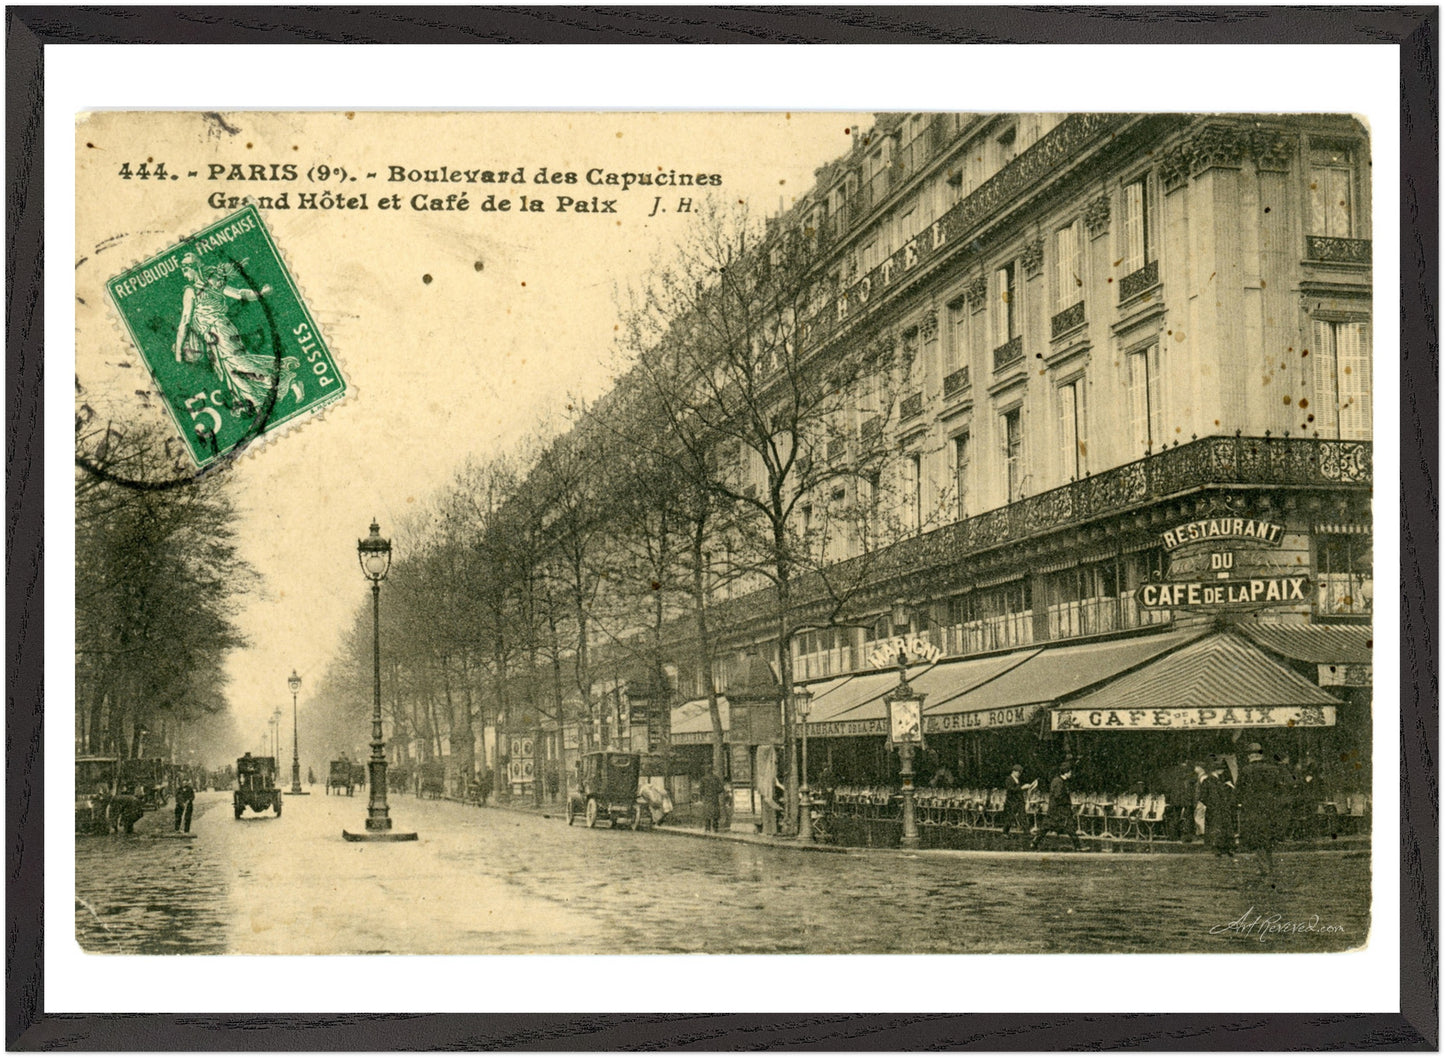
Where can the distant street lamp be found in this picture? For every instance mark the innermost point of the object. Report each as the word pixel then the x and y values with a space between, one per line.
pixel 905 730
pixel 294 682
pixel 802 705
pixel 276 735
pixel 374 553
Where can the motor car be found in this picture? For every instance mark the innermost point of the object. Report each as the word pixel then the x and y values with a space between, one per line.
pixel 256 787
pixel 607 788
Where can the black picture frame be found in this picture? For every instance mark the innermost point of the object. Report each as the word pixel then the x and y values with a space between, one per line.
pixel 1413 31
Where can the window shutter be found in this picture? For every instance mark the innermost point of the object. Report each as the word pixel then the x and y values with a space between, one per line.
pixel 1133 228
pixel 1353 363
pixel 1155 394
pixel 1068 432
pixel 1327 394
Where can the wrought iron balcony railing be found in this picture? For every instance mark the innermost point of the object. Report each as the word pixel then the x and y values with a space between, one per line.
pixel 1138 281
pixel 1066 321
pixel 910 407
pixel 1009 353
pixel 1220 461
pixel 1210 462
pixel 955 383
pixel 1330 249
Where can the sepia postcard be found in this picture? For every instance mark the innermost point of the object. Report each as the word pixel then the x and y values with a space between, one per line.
pixel 729 533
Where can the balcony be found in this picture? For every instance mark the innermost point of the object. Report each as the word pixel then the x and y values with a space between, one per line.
pixel 1210 461
pixel 1066 321
pixel 955 383
pixel 1330 250
pixel 911 407
pixel 1008 354
pixel 1137 282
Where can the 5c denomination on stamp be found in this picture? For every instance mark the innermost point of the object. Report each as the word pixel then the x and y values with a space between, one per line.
pixel 233 349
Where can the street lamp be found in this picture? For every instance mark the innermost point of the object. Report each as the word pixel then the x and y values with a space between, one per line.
pixel 294 682
pixel 276 735
pixel 374 554
pixel 905 730
pixel 802 704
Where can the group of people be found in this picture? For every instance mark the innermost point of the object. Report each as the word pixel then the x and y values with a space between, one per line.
pixel 1255 806
pixel 1250 811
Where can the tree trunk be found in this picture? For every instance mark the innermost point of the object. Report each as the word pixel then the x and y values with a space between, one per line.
pixel 704 649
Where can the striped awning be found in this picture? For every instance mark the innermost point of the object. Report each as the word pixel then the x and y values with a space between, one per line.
pixel 1219 681
pixel 1058 672
pixel 1316 644
pixel 692 721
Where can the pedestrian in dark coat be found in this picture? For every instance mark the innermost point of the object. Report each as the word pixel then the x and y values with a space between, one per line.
pixel 1216 794
pixel 1015 799
pixel 710 790
pixel 1060 818
pixel 185 801
pixel 1263 795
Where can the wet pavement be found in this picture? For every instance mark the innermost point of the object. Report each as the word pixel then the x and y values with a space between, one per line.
pixel 494 880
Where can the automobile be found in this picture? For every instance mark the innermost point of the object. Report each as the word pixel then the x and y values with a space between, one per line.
pixel 607 789
pixel 433 780
pixel 340 777
pixel 256 785
pixel 97 782
pixel 358 774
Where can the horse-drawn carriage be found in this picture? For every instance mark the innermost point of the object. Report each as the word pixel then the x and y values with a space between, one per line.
pixel 340 777
pixel 256 787
pixel 433 781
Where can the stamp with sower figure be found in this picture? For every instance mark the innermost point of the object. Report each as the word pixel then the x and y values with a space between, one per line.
pixel 232 347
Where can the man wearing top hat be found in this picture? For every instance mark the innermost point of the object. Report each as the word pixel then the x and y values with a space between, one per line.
pixel 1217 795
pixel 1261 792
pixel 1060 818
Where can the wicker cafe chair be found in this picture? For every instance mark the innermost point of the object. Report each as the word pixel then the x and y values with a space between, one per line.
pixel 1122 820
pixel 1037 805
pixel 996 799
pixel 1155 805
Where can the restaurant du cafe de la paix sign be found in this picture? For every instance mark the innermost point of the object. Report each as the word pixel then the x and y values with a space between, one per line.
pixel 1222 589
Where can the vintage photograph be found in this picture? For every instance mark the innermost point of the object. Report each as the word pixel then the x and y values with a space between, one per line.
pixel 730 533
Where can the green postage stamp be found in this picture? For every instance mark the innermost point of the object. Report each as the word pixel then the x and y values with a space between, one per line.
pixel 232 348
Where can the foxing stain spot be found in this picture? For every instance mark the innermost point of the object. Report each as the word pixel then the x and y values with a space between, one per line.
pixel 477 266
pixel 426 278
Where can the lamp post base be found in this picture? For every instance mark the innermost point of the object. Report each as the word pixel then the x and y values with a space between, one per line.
pixel 380 835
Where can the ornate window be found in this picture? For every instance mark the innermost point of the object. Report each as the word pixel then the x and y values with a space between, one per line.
pixel 1013 452
pixel 1138 227
pixel 1071 430
pixel 960 474
pixel 1332 190
pixel 1146 407
pixel 1005 305
pixel 1341 364
pixel 1068 267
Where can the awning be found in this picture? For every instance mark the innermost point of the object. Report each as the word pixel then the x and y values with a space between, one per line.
pixel 1316 644
pixel 692 721
pixel 1221 681
pixel 1058 672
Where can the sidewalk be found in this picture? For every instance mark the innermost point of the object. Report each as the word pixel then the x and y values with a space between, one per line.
pixel 1352 845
